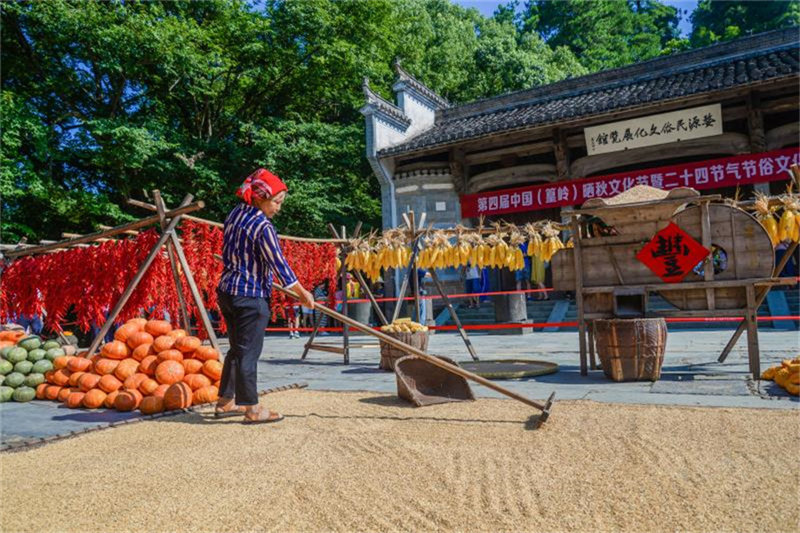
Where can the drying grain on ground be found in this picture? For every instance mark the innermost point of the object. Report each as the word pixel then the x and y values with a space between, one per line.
pixel 367 462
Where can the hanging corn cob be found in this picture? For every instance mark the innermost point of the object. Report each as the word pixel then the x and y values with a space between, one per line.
pixel 552 243
pixel 534 240
pixel 789 223
pixel 764 214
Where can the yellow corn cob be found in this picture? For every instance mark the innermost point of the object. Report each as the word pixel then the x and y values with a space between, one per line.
pixel 785 225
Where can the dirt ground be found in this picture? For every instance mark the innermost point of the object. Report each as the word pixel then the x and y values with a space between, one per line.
pixel 368 462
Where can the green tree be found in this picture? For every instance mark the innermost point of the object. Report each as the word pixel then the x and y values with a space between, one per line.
pixel 714 21
pixel 604 34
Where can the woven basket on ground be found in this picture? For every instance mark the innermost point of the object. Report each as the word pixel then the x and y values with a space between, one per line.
pixel 390 354
pixel 631 349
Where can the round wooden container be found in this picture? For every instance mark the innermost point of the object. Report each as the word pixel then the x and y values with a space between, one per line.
pixel 631 349
pixel 390 354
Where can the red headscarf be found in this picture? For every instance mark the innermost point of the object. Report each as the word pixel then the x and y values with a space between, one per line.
pixel 259 185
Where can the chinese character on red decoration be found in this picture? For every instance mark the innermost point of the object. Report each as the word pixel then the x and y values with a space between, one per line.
pixel 672 253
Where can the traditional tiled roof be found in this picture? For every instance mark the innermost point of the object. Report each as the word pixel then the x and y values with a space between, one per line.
pixel 383 105
pixel 719 67
pixel 405 77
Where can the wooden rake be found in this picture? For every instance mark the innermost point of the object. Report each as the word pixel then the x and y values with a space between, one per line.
pixel 544 408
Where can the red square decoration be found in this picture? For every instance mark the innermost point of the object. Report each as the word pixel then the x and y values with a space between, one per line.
pixel 672 253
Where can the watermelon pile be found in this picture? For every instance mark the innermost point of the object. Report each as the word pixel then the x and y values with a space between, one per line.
pixel 24 365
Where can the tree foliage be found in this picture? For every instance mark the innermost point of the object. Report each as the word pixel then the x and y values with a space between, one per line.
pixel 713 20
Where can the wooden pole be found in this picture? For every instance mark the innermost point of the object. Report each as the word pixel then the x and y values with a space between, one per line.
pixel 187 325
pixel 198 300
pixel 116 230
pixel 453 369
pixel 576 237
pixel 151 207
pixel 759 300
pixel 453 313
pixel 138 277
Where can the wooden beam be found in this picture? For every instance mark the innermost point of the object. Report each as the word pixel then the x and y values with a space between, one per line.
pixel 196 206
pixel 519 150
pixel 151 207
pixel 176 277
pixel 561 151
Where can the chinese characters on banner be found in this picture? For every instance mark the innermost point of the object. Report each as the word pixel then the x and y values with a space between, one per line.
pixel 663 128
pixel 726 172
pixel 672 253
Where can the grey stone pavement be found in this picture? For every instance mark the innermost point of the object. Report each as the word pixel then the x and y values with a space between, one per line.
pixel 690 375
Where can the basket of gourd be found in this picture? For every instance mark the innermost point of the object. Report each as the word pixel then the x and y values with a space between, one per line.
pixel 406 331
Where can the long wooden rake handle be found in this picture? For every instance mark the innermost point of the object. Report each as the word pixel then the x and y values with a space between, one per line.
pixel 444 365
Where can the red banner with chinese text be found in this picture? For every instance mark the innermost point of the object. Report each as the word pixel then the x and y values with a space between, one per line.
pixel 711 174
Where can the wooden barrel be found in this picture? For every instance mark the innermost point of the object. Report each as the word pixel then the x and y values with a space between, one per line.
pixel 631 349
pixel 390 354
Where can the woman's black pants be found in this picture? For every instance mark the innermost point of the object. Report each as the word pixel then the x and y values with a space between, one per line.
pixel 246 319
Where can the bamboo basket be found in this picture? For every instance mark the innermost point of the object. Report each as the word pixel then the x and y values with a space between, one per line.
pixel 631 349
pixel 390 354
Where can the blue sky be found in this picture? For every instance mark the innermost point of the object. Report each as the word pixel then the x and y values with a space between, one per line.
pixel 487 7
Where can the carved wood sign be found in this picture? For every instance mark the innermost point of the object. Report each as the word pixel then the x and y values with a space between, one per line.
pixel 703 121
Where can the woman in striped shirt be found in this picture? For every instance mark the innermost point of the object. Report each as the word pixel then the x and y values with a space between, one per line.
pixel 251 255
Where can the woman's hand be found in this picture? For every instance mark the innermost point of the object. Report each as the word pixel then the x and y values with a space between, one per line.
pixel 306 298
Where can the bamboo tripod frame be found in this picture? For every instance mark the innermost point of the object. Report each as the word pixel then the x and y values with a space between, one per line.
pixel 411 269
pixel 168 222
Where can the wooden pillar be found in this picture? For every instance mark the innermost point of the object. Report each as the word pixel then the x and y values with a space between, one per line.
pixel 577 254
pixel 458 170
pixel 755 123
pixel 752 332
pixel 562 154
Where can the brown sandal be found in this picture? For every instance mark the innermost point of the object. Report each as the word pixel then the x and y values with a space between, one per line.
pixel 264 416
pixel 229 409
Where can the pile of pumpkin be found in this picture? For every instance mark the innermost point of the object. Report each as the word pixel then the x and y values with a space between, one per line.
pixel 786 375
pixel 148 366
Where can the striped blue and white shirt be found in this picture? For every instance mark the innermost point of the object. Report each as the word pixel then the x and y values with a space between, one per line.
pixel 251 253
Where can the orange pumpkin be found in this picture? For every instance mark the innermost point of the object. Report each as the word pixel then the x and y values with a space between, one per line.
pixel 88 381
pixel 187 344
pixel 126 369
pixel 105 366
pixel 177 333
pixel 108 403
pixel 142 351
pixel 148 387
pixel 152 405
pixel 109 383
pixel 178 396
pixel 161 390
pixel 127 400
pixel 62 361
pixel 217 384
pixel 94 399
pixel 6 344
pixel 64 393
pixel 169 372
pixel 196 381
pixel 75 399
pixel 115 350
pixel 48 376
pixel 148 365
pixel 51 393
pixel 139 322
pixel 125 331
pixel 157 327
pixel 212 369
pixel 170 355
pixel 139 338
pixel 164 342
pixel 134 381
pixel 192 366
pixel 206 353
pixel 78 364
pixel 74 377
pixel 205 395
pixel 40 389
pixel 61 377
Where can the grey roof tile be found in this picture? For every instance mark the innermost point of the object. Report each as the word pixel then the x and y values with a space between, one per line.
pixel 714 68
